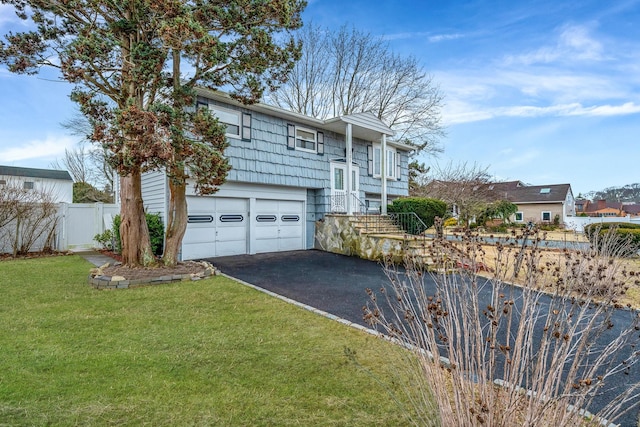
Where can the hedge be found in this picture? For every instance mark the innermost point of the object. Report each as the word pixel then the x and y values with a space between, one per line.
pixel 156 233
pixel 628 233
pixel 426 209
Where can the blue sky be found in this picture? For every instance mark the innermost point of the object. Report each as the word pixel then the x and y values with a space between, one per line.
pixel 546 92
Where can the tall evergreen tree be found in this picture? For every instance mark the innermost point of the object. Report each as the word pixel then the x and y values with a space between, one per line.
pixel 135 65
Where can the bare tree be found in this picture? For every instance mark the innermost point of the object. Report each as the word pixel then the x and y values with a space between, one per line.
pixel 466 189
pixel 350 71
pixel 87 163
pixel 28 218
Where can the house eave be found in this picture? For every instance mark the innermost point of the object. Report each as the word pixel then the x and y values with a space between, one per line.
pixel 371 132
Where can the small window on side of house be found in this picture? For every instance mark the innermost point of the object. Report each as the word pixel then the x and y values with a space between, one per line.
pixel 519 217
pixel 3 182
pixel 305 139
pixel 28 185
pixel 546 216
pixel 231 119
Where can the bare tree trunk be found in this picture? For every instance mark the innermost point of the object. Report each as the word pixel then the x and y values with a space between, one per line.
pixel 136 246
pixel 176 223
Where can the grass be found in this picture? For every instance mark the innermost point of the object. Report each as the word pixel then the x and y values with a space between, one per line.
pixel 211 352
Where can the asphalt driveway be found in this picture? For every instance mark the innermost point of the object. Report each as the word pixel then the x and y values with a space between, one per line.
pixel 337 284
pixel 329 282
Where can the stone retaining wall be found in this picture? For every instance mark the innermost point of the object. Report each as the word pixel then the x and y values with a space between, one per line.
pixel 337 234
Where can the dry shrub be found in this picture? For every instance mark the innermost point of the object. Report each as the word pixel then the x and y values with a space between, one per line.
pixel 500 355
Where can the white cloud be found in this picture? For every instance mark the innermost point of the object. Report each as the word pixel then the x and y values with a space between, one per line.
pixel 431 38
pixel 49 148
pixel 467 114
pixel 444 37
pixel 574 43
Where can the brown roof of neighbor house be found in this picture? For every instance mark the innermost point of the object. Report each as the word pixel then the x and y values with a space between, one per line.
pixel 599 205
pixel 35 173
pixel 506 185
pixel 633 209
pixel 539 193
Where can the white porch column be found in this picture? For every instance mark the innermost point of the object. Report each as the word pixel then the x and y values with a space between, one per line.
pixel 349 161
pixel 383 175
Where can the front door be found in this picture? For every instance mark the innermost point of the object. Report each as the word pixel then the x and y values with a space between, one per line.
pixel 338 187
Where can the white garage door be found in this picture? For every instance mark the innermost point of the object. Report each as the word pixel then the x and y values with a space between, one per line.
pixel 279 226
pixel 216 227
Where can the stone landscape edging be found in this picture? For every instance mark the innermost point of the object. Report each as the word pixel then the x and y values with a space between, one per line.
pixel 100 281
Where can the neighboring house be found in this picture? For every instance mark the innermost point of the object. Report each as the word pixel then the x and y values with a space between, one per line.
pixel 604 208
pixel 536 203
pixel 542 203
pixel 288 171
pixel 58 183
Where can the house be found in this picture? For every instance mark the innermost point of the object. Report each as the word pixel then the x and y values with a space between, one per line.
pixel 288 171
pixel 536 203
pixel 58 183
pixel 542 203
pixel 605 208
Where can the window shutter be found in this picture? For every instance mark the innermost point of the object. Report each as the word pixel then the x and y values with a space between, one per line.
pixel 291 137
pixel 202 103
pixel 370 160
pixel 246 127
pixel 320 143
pixel 398 169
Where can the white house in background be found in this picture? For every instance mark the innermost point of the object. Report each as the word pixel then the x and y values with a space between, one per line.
pixel 288 171
pixel 56 182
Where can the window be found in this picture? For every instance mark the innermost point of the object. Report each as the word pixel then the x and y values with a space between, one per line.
pixel 519 217
pixel 238 124
pixel 199 219
pixel 377 152
pixel 546 216
pixel 338 178
pixel 304 139
pixel 231 218
pixel 3 182
pixel 28 185
pixel 545 190
pixel 392 164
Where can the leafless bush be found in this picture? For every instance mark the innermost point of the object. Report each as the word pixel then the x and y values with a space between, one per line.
pixel 27 217
pixel 499 355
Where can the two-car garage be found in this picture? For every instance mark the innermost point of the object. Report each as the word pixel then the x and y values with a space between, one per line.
pixel 222 225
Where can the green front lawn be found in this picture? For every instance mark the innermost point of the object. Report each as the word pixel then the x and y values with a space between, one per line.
pixel 211 352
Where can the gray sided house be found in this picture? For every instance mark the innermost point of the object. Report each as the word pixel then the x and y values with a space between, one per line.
pixel 288 171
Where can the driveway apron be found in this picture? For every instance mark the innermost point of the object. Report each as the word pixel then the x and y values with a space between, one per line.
pixel 329 282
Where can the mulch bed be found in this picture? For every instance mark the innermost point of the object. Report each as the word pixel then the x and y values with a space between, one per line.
pixel 135 273
pixel 129 273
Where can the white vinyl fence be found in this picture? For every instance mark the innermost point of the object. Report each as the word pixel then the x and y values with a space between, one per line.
pixel 80 222
pixel 73 228
pixel 577 223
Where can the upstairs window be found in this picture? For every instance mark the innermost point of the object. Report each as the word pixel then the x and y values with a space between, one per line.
pixel 229 118
pixel 392 163
pixel 238 124
pixel 303 139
